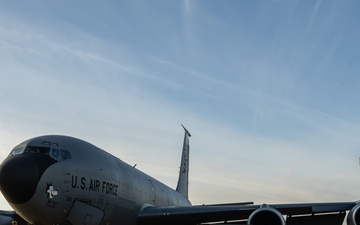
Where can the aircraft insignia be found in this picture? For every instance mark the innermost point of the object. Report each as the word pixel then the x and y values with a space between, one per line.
pixel 51 192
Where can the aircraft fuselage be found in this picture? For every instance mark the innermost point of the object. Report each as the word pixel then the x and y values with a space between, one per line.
pixel 63 180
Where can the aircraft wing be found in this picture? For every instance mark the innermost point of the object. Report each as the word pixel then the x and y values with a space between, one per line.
pixel 304 213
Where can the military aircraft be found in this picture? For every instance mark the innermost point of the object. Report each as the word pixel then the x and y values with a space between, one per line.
pixel 62 180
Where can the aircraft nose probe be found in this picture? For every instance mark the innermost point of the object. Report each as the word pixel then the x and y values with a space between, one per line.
pixel 19 176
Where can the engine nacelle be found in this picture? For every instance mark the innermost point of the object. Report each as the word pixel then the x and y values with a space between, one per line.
pixel 266 215
pixel 353 218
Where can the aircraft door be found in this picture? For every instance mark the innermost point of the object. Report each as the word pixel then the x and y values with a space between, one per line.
pixel 82 213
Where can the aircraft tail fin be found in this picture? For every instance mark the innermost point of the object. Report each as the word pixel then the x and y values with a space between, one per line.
pixel 183 182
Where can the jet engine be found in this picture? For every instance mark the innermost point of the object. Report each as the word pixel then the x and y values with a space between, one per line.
pixel 266 215
pixel 353 217
pixel 8 217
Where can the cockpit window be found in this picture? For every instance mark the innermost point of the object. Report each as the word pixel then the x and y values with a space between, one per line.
pixel 55 153
pixel 60 154
pixel 17 151
pixel 65 155
pixel 37 150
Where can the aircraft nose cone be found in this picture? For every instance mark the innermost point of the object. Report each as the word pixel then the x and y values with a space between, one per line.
pixel 19 176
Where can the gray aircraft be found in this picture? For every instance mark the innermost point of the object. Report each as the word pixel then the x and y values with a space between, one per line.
pixel 54 179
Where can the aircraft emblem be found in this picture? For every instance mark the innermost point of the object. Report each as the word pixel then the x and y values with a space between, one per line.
pixel 51 192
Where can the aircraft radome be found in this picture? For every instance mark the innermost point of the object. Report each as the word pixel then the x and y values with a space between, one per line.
pixel 62 180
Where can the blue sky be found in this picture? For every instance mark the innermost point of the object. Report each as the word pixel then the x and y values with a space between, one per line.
pixel 268 89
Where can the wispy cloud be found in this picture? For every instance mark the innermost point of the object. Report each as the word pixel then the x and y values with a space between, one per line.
pixel 252 97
